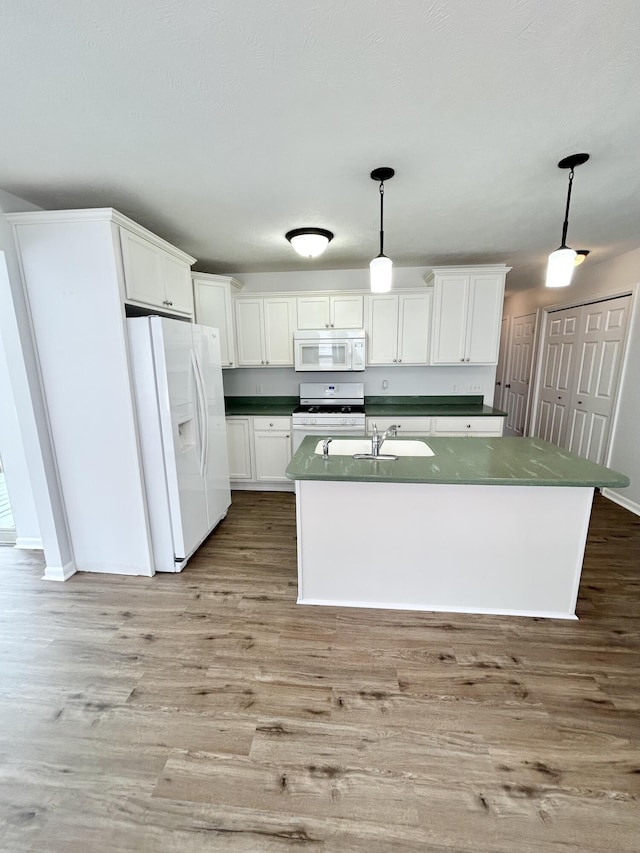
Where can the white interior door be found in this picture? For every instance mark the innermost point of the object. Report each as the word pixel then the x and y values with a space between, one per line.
pixel 499 396
pixel 599 358
pixel 558 367
pixel 518 374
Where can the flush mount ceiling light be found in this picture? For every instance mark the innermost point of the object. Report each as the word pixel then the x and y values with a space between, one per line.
pixel 381 266
pixel 563 261
pixel 309 242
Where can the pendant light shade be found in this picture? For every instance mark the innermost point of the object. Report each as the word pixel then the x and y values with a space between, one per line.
pixel 309 242
pixel 381 267
pixel 562 262
pixel 560 267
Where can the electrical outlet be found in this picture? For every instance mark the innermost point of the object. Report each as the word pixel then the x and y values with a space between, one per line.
pixel 454 389
pixel 385 384
pixel 475 389
pixel 259 389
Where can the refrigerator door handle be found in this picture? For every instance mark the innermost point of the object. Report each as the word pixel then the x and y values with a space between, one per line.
pixel 205 409
pixel 202 424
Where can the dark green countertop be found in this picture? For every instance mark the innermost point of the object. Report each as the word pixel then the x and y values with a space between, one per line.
pixel 410 406
pixel 430 407
pixel 269 406
pixel 466 460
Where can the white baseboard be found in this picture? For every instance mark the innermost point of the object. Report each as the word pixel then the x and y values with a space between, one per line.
pixel 486 611
pixel 632 506
pixel 59 573
pixel 28 543
pixel 7 535
pixel 252 486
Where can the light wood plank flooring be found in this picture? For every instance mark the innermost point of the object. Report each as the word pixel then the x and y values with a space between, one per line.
pixel 208 712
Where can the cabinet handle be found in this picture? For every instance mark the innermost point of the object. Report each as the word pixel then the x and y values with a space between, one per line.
pixel 467 359
pixel 270 424
pixel 399 360
pixel 164 302
pixel 267 361
pixel 394 359
pixel 326 325
pixel 579 402
pixel 288 436
pixel 462 359
pixel 468 426
pixel 262 362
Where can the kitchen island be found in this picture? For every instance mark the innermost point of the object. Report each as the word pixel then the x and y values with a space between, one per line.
pixel 484 525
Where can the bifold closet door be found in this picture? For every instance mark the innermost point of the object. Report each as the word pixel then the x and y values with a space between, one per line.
pixel 581 362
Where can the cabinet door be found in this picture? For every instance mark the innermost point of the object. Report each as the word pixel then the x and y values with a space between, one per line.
pixel 213 308
pixel 413 328
pixel 313 312
pixel 382 329
pixel 449 328
pixel 462 425
pixel 484 317
pixel 238 441
pixel 249 328
pixel 347 312
pixel 278 332
pixel 177 284
pixel 143 273
pixel 273 454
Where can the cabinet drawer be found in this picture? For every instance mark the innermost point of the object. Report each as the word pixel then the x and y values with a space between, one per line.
pixel 272 424
pixel 406 426
pixel 467 426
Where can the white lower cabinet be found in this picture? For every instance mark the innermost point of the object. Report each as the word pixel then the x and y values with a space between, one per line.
pixel 259 452
pixel 239 444
pixel 468 426
pixel 456 425
pixel 272 443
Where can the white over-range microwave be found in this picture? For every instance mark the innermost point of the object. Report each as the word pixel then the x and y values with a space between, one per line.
pixel 329 349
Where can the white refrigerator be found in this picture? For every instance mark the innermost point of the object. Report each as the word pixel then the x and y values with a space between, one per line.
pixel 183 439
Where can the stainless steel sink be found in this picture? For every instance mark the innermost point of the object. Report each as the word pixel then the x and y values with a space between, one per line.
pixel 391 447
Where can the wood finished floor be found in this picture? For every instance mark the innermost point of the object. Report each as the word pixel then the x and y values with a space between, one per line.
pixel 208 712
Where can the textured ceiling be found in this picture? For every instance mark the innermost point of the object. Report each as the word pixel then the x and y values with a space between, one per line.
pixel 222 124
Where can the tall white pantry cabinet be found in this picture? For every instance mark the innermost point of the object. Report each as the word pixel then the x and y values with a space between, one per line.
pixel 79 268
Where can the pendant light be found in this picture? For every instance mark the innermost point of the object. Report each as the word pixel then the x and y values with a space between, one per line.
pixel 309 242
pixel 562 262
pixel 381 266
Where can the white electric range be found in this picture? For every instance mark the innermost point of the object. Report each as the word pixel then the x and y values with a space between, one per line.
pixel 328 408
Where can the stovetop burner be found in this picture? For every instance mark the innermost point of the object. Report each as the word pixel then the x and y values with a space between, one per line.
pixel 330 410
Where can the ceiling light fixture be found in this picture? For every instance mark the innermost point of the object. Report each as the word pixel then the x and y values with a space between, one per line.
pixel 309 242
pixel 562 262
pixel 381 266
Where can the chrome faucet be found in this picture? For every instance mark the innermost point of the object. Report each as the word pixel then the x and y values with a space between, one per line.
pixel 377 439
pixel 325 447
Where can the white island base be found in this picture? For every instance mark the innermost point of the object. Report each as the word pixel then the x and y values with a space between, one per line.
pixel 508 550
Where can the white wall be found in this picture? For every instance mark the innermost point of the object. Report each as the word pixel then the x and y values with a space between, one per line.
pixel 609 278
pixel 24 379
pixel 424 381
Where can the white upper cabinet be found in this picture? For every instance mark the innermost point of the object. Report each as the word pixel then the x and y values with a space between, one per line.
pixel 264 327
pixel 155 275
pixel 213 304
pixel 467 313
pixel 344 311
pixel 398 328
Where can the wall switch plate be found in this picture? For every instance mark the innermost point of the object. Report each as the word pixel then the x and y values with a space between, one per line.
pixel 385 384
pixel 454 389
pixel 259 389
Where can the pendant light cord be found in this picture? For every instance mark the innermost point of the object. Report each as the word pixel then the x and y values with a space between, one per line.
pixel 381 217
pixel 565 224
